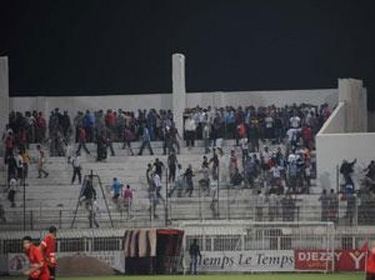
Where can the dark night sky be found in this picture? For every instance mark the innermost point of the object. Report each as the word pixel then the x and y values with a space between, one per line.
pixel 58 47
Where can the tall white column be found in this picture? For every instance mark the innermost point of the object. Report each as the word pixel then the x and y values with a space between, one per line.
pixel 4 93
pixel 350 92
pixel 179 90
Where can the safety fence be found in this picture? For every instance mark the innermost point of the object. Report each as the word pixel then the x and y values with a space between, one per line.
pixel 237 205
pixel 239 246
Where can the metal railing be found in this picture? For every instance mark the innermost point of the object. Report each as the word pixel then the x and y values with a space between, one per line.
pixel 193 209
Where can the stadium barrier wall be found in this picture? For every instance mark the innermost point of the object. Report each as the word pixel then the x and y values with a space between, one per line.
pixel 343 260
pixel 247 261
pixel 231 247
pixel 164 100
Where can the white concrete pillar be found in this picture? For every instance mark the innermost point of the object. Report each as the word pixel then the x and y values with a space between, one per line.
pixel 4 93
pixel 179 90
pixel 350 92
pixel 4 99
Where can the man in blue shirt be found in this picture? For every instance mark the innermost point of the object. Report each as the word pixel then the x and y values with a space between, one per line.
pixel 89 125
pixel 116 187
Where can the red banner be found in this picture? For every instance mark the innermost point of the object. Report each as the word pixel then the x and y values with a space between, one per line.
pixel 344 260
pixel 312 259
pixel 351 260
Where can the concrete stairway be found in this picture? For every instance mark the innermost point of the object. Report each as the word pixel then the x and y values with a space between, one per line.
pixel 53 200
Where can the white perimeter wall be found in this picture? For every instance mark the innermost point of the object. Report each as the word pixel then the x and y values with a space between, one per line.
pixel 263 98
pixel 80 103
pixel 334 148
pixel 164 101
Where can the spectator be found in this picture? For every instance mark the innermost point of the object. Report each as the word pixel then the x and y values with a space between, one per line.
pixel 159 167
pixel 12 167
pixel 149 175
pixel 66 126
pixel 108 135
pixel 101 147
pixel 288 207
pixel 236 178
pixel 78 123
pixel 93 212
pixel 324 202
pixel 204 182
pixel 41 128
pixel 116 187
pixel 146 141
pixel 128 199
pixel 273 205
pixel 189 180
pixel 214 192
pixel 253 134
pixel 9 145
pixel 370 170
pixel 346 169
pixel 158 187
pixel 244 149
pixel 350 203
pixel 41 162
pixel 333 202
pixel 207 137
pixel 215 165
pixel 307 136
pixel 307 176
pixel 172 164
pixel 20 166
pixel 3 220
pixel 88 194
pixel 194 252
pixel 89 126
pixel 12 192
pixel 233 163
pixel 259 205
pixel 295 121
pixel 175 137
pixel 26 163
pixel 178 183
pixel 190 128
pixel 82 138
pixel 128 138
pixel 76 163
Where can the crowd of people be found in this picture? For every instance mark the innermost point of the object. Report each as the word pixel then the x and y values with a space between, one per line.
pixel 291 129
pixel 256 124
pixel 273 152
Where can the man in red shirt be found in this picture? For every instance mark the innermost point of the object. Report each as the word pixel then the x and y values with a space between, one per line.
pixel 48 249
pixel 82 140
pixel 370 267
pixel 38 269
pixel 9 145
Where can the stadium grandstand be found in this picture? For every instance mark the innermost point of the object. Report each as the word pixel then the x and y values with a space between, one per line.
pixel 274 176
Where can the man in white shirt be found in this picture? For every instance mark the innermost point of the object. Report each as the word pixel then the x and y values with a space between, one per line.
pixel 12 192
pixel 158 186
pixel 269 127
pixel 76 163
pixel 190 127
pixel 295 122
